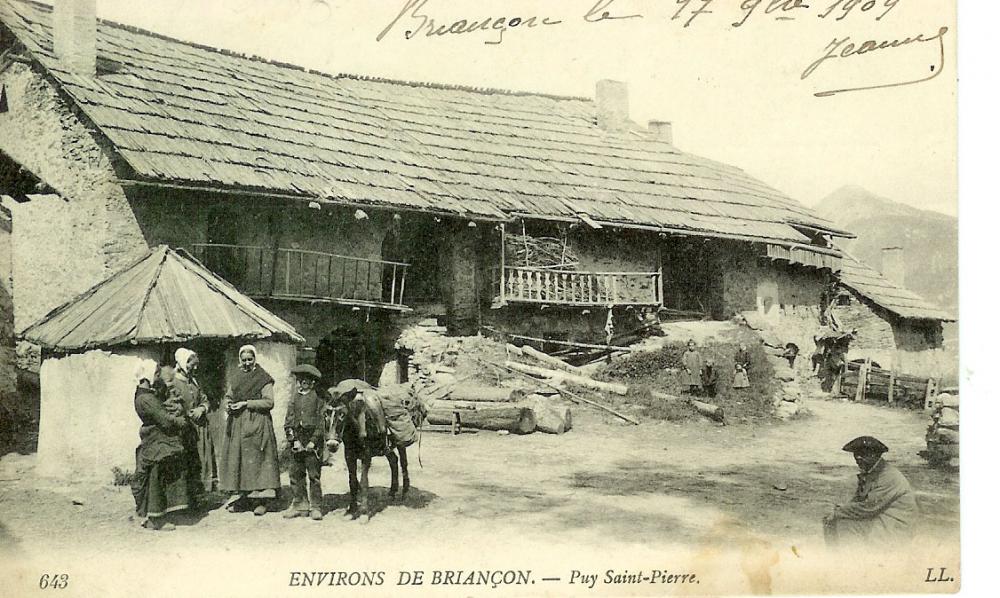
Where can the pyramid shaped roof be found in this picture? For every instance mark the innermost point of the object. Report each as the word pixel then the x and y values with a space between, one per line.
pixel 166 296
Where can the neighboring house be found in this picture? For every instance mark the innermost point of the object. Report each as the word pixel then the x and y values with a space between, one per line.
pixel 347 205
pixel 894 325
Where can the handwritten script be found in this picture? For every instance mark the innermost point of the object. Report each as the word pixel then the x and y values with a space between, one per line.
pixel 417 19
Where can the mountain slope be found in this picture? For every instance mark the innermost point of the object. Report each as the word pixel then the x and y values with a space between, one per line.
pixel 929 239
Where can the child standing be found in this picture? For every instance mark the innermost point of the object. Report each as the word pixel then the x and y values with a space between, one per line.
pixel 709 377
pixel 741 366
pixel 304 430
pixel 691 363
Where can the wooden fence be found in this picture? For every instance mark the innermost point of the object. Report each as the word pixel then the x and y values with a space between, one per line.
pixel 865 382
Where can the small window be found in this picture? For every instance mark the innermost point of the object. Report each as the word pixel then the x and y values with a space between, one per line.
pixel 843 299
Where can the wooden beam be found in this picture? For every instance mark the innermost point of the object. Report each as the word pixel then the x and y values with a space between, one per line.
pixel 571 395
pixel 577 379
pixel 555 342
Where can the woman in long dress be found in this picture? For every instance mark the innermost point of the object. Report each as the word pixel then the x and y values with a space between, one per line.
pixel 200 442
pixel 249 466
pixel 160 484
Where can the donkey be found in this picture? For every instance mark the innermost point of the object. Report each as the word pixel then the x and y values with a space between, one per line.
pixel 358 422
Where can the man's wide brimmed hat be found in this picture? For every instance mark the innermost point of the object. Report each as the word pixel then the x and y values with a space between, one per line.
pixel 307 370
pixel 866 444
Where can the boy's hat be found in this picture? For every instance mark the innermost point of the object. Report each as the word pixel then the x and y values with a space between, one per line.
pixel 307 370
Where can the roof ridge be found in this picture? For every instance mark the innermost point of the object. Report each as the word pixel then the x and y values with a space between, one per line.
pixel 460 87
pixel 132 268
pixel 164 250
pixel 296 67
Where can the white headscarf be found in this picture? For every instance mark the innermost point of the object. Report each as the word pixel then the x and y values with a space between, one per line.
pixel 251 349
pixel 146 370
pixel 182 356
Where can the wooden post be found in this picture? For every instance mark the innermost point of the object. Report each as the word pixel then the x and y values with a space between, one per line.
pixel 859 394
pixel 288 270
pixel 392 291
pixel 930 393
pixel 503 264
pixel 402 287
pixel 892 386
pixel 275 227
pixel 659 284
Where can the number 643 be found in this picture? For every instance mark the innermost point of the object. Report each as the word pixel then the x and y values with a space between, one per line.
pixel 55 581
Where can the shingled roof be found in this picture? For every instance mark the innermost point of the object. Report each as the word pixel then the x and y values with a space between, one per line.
pixel 180 113
pixel 870 284
pixel 167 296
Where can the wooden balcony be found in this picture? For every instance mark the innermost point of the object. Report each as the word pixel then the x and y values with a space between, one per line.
pixel 302 275
pixel 571 287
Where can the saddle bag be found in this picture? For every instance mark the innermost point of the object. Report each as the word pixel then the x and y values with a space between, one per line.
pixel 403 413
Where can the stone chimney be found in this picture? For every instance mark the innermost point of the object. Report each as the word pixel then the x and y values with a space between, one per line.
pixel 892 265
pixel 661 130
pixel 75 35
pixel 611 99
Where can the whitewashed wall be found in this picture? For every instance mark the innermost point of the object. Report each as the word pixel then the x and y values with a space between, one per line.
pixel 88 422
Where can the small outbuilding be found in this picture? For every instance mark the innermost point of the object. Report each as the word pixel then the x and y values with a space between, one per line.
pixel 92 344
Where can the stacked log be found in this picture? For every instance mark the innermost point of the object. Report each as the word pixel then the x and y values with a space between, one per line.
pixel 514 418
pixel 551 418
pixel 942 432
pixel 491 408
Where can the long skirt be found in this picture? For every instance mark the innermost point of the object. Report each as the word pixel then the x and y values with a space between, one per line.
pixel 740 379
pixel 161 487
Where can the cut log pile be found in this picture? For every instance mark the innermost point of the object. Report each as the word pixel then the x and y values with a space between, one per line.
pixel 451 377
pixel 489 384
pixel 942 432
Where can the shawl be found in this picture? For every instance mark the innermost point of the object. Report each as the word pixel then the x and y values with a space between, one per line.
pixel 247 385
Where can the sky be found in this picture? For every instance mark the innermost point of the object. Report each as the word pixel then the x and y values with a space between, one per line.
pixel 734 94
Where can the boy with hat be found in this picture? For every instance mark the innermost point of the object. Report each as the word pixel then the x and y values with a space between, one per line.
pixel 304 430
pixel 883 505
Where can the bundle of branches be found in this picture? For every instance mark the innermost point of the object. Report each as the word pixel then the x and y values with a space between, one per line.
pixel 539 252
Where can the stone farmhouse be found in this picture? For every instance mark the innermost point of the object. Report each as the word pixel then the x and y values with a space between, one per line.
pixel 348 206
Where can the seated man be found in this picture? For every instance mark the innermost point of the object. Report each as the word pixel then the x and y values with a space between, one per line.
pixel 883 506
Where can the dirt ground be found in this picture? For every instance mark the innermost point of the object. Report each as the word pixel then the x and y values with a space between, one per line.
pixel 603 480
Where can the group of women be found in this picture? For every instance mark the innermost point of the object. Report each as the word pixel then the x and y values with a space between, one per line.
pixel 177 460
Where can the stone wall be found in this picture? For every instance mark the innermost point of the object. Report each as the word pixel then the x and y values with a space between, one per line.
pixel 8 357
pixel 461 271
pixel 874 333
pixel 771 288
pixel 908 346
pixel 66 242
pixel 617 250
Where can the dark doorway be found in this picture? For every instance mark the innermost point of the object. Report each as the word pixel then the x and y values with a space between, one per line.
pixel 357 350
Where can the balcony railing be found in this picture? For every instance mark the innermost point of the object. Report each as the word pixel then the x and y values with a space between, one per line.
pixel 307 275
pixel 571 287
